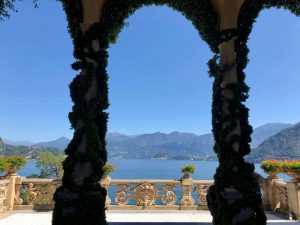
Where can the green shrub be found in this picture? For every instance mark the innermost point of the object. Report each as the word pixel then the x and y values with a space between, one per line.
pixel 291 166
pixel 272 166
pixel 281 166
pixel 187 169
pixel 108 168
pixel 8 163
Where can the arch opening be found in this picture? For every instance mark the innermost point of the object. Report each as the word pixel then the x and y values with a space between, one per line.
pixel 273 98
pixel 161 85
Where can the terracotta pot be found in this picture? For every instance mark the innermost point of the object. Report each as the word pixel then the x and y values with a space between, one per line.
pixel 272 174
pixel 105 181
pixel 12 170
pixel 186 176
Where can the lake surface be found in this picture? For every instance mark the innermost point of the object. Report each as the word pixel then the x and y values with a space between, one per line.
pixel 153 169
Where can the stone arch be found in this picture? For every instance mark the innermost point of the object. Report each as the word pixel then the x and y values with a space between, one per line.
pixel 248 14
pixel 114 14
pixel 251 9
pixel 81 199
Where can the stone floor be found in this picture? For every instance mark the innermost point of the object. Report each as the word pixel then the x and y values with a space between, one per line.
pixel 132 217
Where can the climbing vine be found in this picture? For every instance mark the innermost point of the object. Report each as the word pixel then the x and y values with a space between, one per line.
pixel 235 196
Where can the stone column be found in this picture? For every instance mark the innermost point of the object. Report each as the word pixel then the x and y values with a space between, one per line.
pixel 81 198
pixel 235 197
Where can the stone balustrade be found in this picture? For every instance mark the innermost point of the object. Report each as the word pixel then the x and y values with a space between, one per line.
pixel 18 193
pixel 35 193
pixel 156 194
pixel 276 197
pixel 3 194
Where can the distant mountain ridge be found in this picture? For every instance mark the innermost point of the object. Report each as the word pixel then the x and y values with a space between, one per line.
pixel 60 143
pixel 284 144
pixel 28 151
pixel 265 131
pixel 178 145
pixel 175 144
pixel 18 143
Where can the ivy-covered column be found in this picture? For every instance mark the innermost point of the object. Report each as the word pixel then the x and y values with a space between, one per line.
pixel 81 199
pixel 235 198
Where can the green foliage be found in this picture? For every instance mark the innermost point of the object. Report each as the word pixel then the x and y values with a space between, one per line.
pixel 291 166
pixel 285 144
pixel 281 166
pixel 3 164
pixel 44 201
pixel 34 175
pixel 32 152
pixel 8 163
pixel 50 165
pixel 108 168
pixel 188 169
pixel 270 166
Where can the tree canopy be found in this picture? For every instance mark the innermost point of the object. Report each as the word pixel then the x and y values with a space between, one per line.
pixel 9 5
pixel 50 165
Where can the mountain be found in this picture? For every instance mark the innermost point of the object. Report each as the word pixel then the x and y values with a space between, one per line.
pixel 18 143
pixel 1 143
pixel 265 131
pixel 60 143
pixel 28 151
pixel 285 145
pixel 178 144
pixel 175 144
pixel 116 137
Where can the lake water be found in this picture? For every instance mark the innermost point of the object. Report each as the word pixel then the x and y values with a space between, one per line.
pixel 153 169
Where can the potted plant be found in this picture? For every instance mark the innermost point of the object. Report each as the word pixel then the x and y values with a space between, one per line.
pixel 187 170
pixel 105 181
pixel 107 169
pixel 11 164
pixel 292 168
pixel 272 167
pixel 3 164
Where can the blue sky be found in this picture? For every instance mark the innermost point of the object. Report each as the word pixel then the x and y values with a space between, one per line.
pixel 158 73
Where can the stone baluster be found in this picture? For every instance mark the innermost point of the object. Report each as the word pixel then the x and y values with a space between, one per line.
pixel 273 193
pixel 3 195
pixel 105 182
pixel 17 199
pixel 187 199
pixel 10 200
pixel 294 198
pixel 271 198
